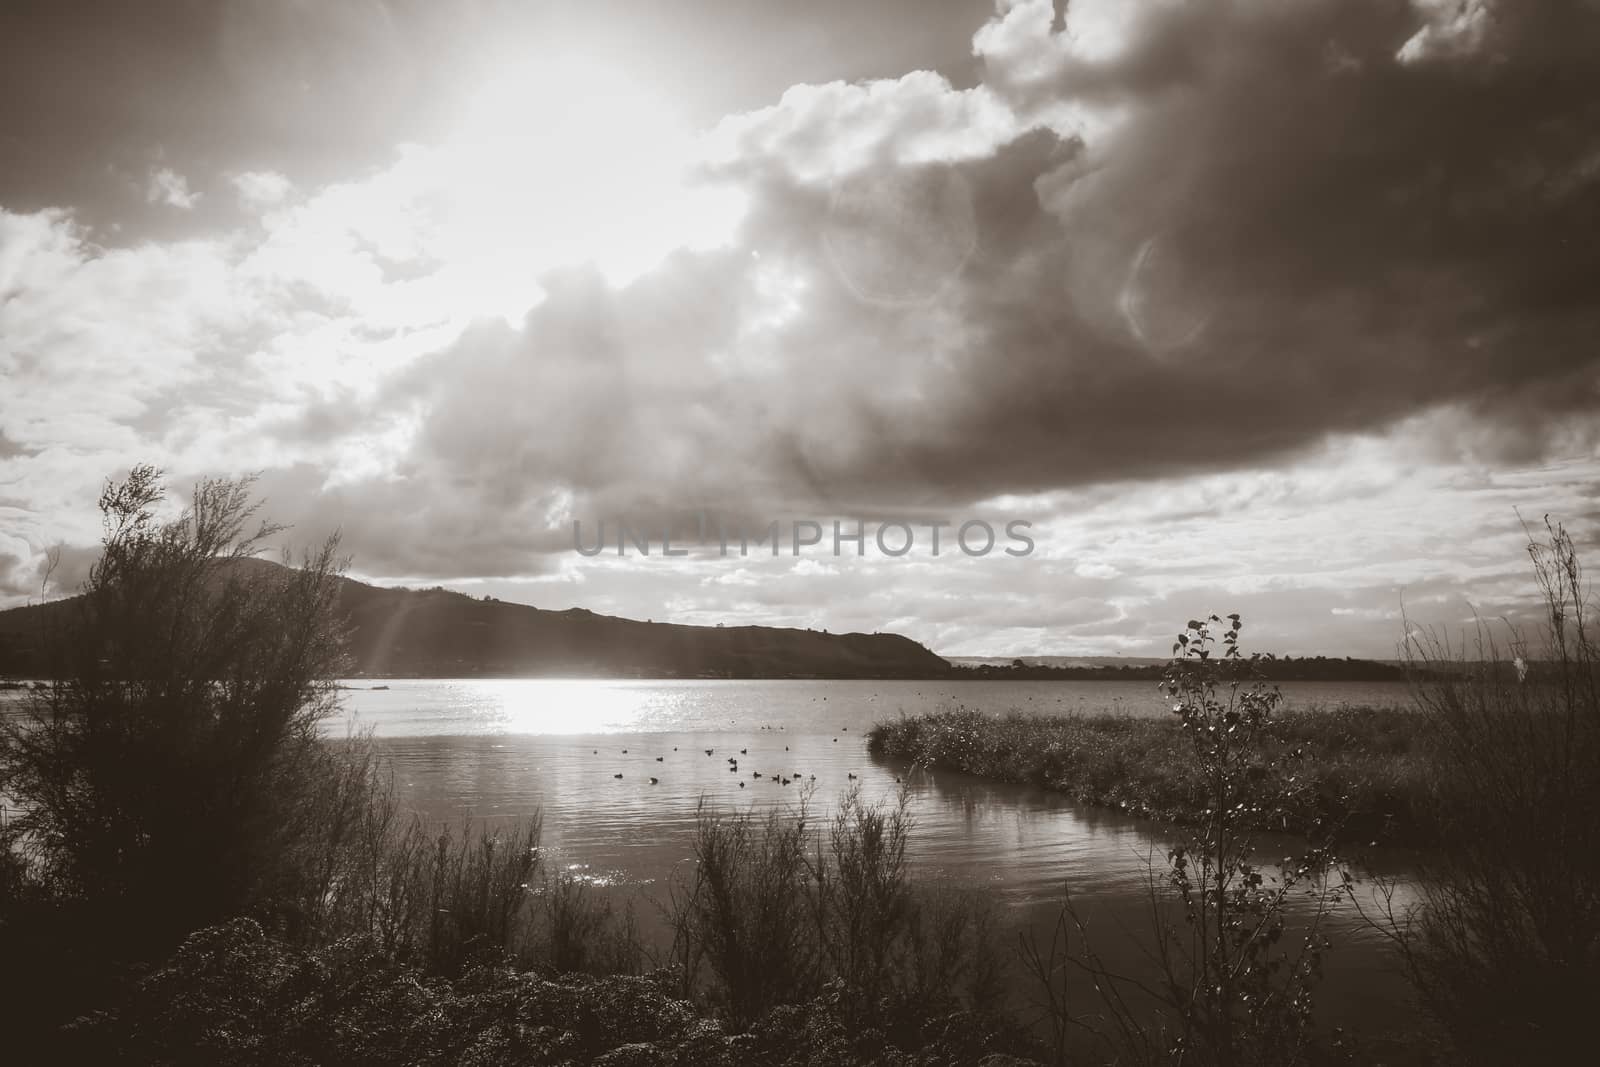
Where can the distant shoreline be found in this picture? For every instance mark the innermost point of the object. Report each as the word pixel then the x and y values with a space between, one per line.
pixel 1311 670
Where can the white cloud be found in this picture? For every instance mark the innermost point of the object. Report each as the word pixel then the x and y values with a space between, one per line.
pixel 1451 28
pixel 258 189
pixel 822 132
pixel 167 186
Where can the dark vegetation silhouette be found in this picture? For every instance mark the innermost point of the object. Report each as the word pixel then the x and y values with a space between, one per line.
pixel 1504 948
pixel 1233 981
pixel 174 776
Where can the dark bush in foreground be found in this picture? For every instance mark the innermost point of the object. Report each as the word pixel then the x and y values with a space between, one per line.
pixel 171 774
pixel 174 775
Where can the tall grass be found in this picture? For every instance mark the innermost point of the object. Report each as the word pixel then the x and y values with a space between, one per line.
pixel 439 898
pixel 778 909
pixel 1505 949
pixel 583 933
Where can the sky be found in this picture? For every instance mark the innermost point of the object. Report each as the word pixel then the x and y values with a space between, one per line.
pixel 1289 308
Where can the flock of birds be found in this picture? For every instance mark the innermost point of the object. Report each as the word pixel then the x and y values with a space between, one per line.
pixel 780 778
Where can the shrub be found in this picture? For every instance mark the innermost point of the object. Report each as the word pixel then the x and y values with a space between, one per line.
pixel 166 771
pixel 173 775
pixel 744 912
pixel 168 775
pixel 1229 988
pixel 861 894
pixel 234 995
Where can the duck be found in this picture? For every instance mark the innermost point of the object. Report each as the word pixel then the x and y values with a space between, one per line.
pixel 616 776
pixel 654 781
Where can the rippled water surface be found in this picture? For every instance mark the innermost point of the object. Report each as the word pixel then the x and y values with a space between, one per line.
pixel 499 750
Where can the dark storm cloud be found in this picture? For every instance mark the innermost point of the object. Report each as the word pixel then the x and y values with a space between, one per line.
pixel 1294 232
pixel 96 99
pixel 1292 223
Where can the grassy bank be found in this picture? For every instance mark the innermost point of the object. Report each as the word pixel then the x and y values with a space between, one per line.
pixel 1362 766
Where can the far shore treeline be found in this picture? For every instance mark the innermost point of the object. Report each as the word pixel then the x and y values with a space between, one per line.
pixel 437 633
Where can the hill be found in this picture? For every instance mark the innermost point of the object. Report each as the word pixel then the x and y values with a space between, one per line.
pixel 436 633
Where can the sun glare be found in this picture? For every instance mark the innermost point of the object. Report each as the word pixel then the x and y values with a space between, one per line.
pixel 565 162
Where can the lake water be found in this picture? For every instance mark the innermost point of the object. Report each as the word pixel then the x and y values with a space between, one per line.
pixel 504 749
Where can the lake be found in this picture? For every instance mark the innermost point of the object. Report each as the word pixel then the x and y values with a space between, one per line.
pixel 504 749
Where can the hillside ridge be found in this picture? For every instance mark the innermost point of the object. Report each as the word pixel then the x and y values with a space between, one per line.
pixel 439 633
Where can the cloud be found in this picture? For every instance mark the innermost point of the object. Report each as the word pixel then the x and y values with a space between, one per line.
pixel 1194 237
pixel 1147 273
pixel 21 569
pixel 258 189
pixel 168 187
pixel 821 132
